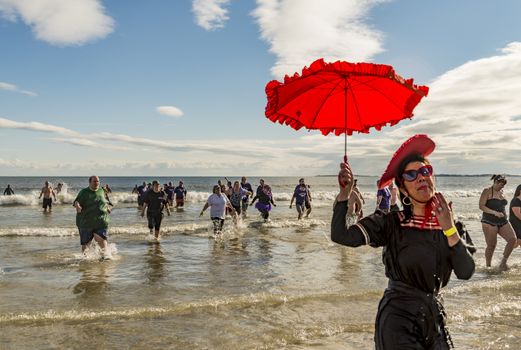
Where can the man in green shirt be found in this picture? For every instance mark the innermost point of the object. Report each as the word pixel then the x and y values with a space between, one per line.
pixel 92 216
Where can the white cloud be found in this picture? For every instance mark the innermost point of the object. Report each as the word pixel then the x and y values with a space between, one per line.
pixel 61 22
pixel 36 126
pixel 14 88
pixel 170 111
pixel 300 31
pixel 88 143
pixel 210 14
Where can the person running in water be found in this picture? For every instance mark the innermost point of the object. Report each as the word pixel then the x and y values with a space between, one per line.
pixel 141 190
pixel 265 198
pixel 8 191
pixel 48 194
pixel 169 190
pixel 247 187
pixel 92 216
pixel 236 196
pixel 260 187
pixel 154 202
pixel 107 190
pixel 180 195
pixel 302 196
pixel 217 202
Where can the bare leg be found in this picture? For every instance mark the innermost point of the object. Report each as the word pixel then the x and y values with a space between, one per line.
pixel 507 232
pixel 299 210
pixel 102 243
pixel 157 234
pixel 490 232
pixel 84 247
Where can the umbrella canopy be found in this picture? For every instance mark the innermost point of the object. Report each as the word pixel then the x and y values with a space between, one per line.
pixel 342 97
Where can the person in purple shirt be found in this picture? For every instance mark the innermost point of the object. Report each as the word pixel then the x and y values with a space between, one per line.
pixel 303 198
pixel 169 190
pixel 180 195
pixel 383 198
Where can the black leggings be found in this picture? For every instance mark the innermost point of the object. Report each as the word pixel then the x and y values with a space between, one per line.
pixel 154 220
pixel 218 224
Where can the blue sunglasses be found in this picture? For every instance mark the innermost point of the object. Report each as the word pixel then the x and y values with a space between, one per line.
pixel 411 175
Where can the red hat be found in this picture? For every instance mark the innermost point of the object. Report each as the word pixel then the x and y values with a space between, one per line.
pixel 420 143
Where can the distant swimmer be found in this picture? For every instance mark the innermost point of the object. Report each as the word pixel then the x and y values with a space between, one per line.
pixel 245 201
pixel 383 198
pixel 302 198
pixel 169 190
pixel 180 195
pixel 107 190
pixel 134 190
pixel 265 198
pixel 141 190
pixel 217 202
pixel 92 216
pixel 8 191
pixel 48 194
pixel 59 187
pixel 154 202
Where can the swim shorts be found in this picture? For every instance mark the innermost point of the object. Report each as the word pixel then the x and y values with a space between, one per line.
pixel 87 234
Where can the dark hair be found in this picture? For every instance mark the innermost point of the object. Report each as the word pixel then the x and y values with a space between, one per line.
pixel 499 178
pixel 414 157
pixel 518 191
pixel 90 178
pixel 216 187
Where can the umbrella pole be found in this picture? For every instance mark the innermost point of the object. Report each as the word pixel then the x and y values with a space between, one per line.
pixel 345 120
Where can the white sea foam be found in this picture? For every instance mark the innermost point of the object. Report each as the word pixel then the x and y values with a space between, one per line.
pixel 188 228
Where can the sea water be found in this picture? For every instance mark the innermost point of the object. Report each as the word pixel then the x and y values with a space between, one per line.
pixel 279 284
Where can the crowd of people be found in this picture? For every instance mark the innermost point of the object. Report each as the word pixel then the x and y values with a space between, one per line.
pixel 423 243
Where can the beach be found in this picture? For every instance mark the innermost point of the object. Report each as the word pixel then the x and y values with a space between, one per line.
pixel 273 285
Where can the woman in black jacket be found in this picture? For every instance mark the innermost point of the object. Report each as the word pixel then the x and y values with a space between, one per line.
pixel 421 248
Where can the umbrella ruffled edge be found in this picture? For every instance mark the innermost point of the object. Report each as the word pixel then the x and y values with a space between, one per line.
pixel 382 70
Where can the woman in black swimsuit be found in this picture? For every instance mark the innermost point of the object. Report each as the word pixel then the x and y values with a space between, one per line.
pixel 494 220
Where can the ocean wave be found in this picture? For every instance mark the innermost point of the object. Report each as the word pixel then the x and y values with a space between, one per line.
pixel 320 198
pixel 234 301
pixel 188 228
pixel 502 306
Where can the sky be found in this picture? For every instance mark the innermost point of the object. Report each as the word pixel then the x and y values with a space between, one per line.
pixel 176 88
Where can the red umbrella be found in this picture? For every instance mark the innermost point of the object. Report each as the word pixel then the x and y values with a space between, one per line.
pixel 342 97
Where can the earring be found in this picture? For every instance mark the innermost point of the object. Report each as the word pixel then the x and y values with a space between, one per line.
pixel 405 202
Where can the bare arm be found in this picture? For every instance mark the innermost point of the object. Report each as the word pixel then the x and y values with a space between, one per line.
pixel 77 205
pixel 517 212
pixel 206 205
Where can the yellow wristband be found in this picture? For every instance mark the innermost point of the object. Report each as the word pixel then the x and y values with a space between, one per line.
pixel 450 231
